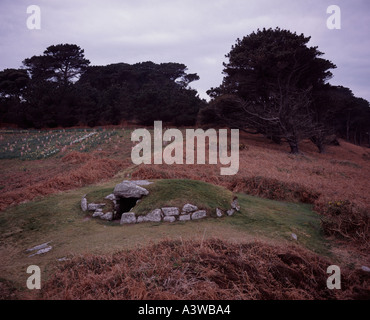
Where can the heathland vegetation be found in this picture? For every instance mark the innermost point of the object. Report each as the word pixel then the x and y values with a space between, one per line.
pixel 302 184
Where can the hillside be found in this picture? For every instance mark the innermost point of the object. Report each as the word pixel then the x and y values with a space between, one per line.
pixel 321 198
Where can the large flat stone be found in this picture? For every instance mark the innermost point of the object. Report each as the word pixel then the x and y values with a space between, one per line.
pixel 128 189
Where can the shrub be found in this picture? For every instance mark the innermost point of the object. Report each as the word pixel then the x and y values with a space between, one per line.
pixel 274 189
pixel 345 220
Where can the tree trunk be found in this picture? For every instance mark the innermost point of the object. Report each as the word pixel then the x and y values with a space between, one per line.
pixel 293 147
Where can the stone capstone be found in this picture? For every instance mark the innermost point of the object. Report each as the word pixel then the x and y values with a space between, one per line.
pixel 129 189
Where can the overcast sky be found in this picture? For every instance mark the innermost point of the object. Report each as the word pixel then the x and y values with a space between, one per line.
pixel 197 33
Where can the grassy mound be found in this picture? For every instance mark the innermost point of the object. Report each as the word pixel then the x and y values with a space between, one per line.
pixel 173 193
pixel 176 193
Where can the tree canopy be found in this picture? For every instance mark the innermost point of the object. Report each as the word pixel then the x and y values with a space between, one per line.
pixel 273 85
pixel 62 63
pixel 60 88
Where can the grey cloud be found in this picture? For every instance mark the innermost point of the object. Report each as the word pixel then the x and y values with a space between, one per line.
pixel 196 33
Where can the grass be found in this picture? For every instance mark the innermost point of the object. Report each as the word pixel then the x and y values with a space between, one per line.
pixel 341 173
pixel 279 220
pixel 178 192
pixel 98 196
pixel 32 144
pixel 200 270
pixel 58 218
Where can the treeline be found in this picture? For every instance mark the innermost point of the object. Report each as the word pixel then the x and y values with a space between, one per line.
pixel 60 88
pixel 274 84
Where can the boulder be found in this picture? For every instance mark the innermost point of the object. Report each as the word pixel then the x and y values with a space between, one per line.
pixel 366 269
pixel 98 214
pixel 111 197
pixel 169 219
pixel 128 218
pixel 199 215
pixel 95 206
pixel 235 204
pixel 128 189
pixel 171 211
pixel 154 216
pixel 184 217
pixel 141 219
pixel 219 213
pixel 84 204
pixel 230 212
pixel 189 208
pixel 108 216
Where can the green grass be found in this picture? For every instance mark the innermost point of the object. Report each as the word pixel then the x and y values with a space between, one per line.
pixel 177 193
pixel 98 196
pixel 275 219
pixel 33 144
pixel 58 218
